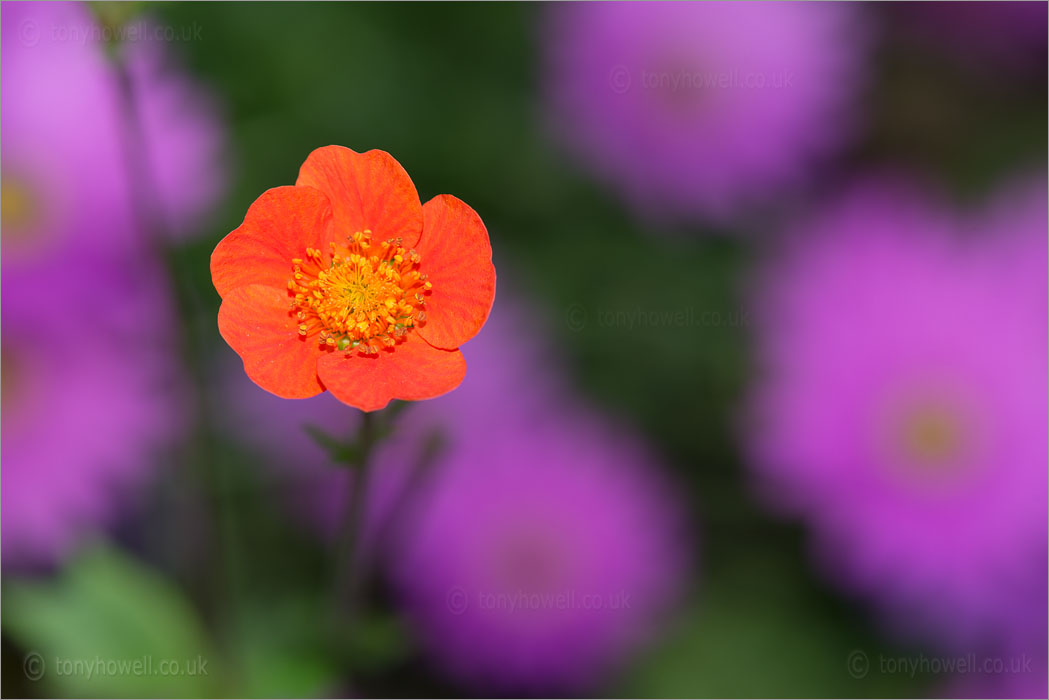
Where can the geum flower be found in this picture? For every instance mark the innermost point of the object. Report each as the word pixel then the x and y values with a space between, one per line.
pixel 345 283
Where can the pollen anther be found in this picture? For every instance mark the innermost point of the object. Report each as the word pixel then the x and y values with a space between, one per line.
pixel 367 298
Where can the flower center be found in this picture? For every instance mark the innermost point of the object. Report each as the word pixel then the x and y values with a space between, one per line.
pixel 10 391
pixel 18 206
pixel 930 435
pixel 369 297
pixel 931 438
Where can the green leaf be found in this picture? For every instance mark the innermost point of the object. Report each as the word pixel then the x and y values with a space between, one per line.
pixel 343 453
pixel 107 626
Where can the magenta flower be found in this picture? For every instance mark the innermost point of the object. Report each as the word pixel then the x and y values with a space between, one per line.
pixel 89 392
pixel 703 109
pixel 66 181
pixel 543 554
pixel 902 411
pixel 88 395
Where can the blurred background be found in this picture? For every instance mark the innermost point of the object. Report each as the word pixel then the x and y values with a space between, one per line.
pixel 759 411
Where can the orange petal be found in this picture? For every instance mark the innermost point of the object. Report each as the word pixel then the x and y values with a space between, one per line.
pixel 279 226
pixel 367 191
pixel 256 322
pixel 412 370
pixel 457 257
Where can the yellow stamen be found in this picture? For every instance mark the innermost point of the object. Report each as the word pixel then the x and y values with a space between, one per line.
pixel 359 300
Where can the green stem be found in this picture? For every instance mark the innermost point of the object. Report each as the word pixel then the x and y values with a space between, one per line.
pixel 414 488
pixel 349 573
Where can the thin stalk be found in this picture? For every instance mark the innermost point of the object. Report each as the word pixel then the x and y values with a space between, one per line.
pixel 349 571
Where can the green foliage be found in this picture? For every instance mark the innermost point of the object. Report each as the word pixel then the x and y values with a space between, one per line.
pixel 107 626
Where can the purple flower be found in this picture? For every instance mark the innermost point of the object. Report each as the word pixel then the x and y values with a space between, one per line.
pixel 66 182
pixel 88 394
pixel 541 555
pixel 902 410
pixel 89 386
pixel 702 109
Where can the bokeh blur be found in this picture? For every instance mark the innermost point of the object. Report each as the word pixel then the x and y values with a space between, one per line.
pixel 760 409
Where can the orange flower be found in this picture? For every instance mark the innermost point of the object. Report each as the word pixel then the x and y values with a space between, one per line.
pixel 346 283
